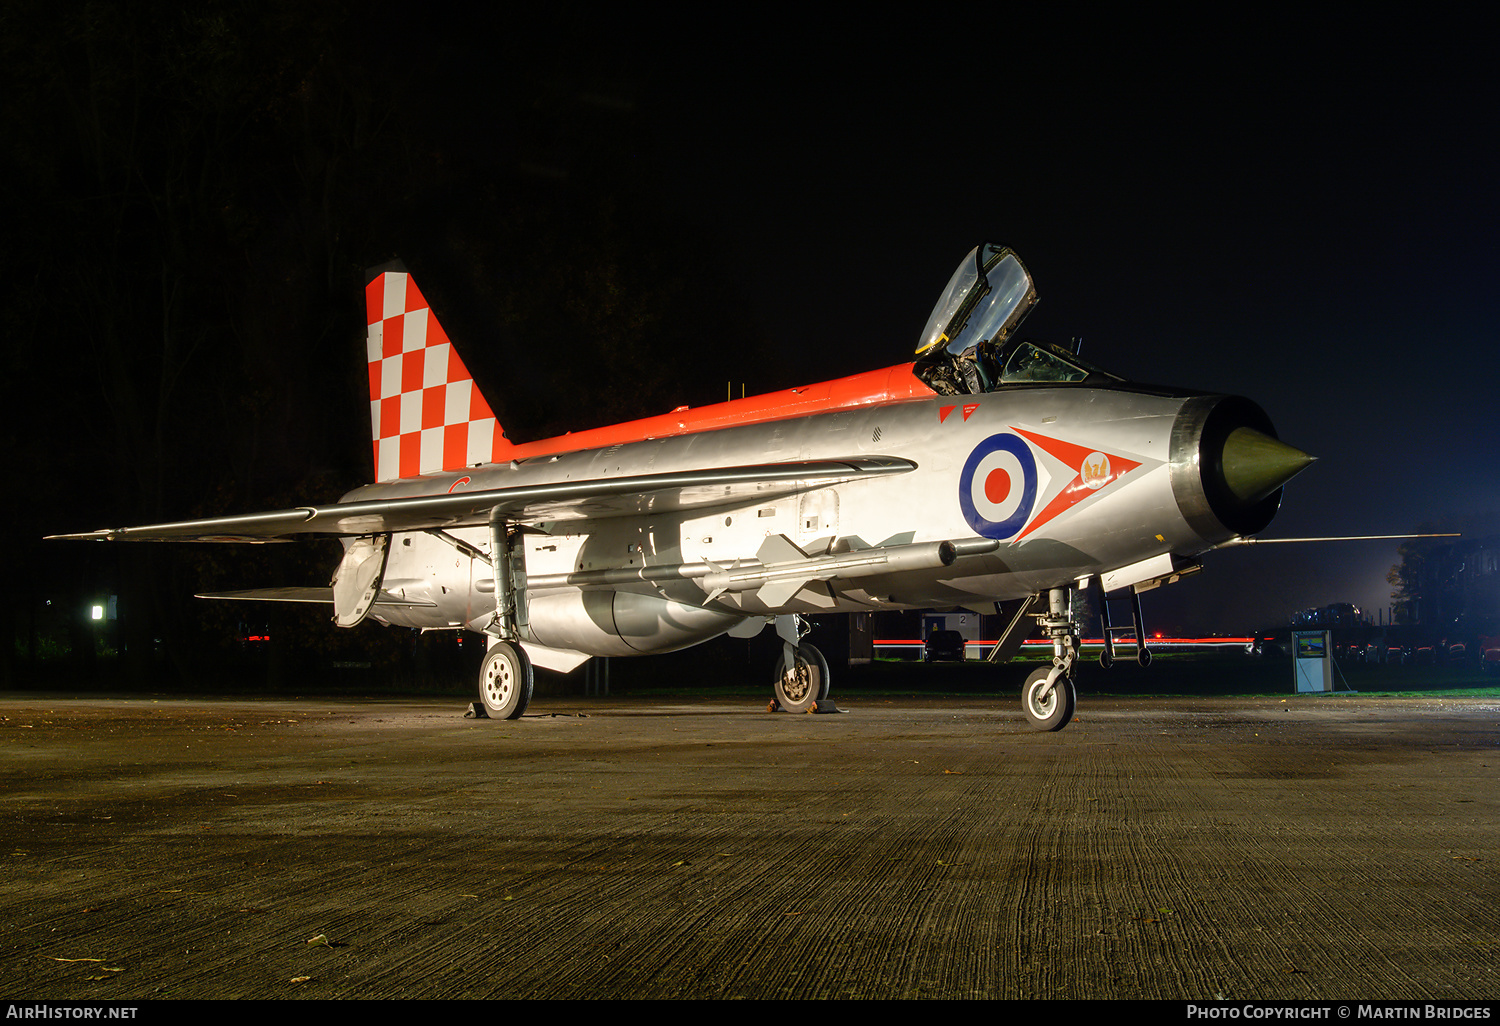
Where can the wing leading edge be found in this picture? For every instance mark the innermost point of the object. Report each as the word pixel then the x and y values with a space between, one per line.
pixel 567 500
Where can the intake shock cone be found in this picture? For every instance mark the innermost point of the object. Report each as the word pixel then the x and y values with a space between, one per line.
pixel 1228 467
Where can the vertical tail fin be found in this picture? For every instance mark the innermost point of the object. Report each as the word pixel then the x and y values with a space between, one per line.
pixel 426 413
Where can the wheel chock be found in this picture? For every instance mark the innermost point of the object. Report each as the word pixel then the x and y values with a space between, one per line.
pixel 824 705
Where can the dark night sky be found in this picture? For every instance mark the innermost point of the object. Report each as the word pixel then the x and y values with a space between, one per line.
pixel 1301 211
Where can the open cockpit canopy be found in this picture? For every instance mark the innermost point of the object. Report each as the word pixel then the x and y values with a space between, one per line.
pixel 989 294
pixel 968 346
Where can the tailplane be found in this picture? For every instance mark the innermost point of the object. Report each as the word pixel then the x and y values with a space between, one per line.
pixel 426 413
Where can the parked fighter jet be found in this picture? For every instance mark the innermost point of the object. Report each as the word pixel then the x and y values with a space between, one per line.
pixel 991 470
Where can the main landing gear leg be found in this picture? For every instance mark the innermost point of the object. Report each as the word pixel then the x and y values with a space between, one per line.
pixel 801 671
pixel 1049 696
pixel 505 678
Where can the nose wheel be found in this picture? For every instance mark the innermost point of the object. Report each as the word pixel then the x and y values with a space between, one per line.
pixel 1049 699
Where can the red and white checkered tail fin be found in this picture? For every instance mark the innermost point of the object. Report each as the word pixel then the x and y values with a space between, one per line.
pixel 426 413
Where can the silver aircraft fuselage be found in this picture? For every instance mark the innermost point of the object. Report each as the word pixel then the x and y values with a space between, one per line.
pixel 1000 467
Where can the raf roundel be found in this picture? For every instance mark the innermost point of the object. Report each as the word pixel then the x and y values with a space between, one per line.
pixel 998 486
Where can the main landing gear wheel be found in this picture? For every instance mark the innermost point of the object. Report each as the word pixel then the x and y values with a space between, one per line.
pixel 798 689
pixel 1048 707
pixel 505 681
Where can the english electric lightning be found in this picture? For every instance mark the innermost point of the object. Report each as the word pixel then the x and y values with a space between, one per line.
pixel 993 473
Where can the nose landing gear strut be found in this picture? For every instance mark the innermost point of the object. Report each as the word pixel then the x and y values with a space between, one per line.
pixel 1049 696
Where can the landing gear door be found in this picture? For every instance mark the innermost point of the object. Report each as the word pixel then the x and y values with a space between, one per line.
pixel 356 582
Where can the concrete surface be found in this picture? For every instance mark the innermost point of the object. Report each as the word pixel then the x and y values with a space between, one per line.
pixel 1157 848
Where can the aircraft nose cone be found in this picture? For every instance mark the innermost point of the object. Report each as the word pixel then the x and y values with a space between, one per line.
pixel 1255 464
pixel 1228 467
